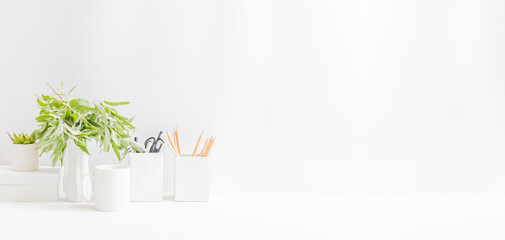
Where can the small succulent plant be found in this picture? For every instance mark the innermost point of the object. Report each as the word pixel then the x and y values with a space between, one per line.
pixel 22 138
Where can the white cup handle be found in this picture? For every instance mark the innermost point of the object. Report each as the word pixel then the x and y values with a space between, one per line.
pixel 91 196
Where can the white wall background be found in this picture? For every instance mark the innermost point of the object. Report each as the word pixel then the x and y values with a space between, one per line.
pixel 303 96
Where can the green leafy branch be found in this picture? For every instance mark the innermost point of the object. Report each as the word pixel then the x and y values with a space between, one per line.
pixel 61 119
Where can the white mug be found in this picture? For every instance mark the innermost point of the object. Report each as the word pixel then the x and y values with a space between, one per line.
pixel 111 187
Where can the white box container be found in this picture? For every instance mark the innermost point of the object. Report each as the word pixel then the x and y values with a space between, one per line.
pixel 191 179
pixel 146 175
pixel 36 186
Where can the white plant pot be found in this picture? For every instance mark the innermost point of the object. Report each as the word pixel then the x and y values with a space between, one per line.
pixel 191 179
pixel 24 158
pixel 146 171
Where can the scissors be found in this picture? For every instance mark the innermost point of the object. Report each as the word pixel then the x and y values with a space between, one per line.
pixel 153 143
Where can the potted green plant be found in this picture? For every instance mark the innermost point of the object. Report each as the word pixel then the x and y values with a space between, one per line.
pixel 24 156
pixel 71 124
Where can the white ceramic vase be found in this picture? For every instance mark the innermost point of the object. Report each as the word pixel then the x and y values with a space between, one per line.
pixel 76 166
pixel 24 158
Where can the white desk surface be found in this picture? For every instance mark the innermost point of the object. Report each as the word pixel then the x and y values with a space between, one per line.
pixel 267 216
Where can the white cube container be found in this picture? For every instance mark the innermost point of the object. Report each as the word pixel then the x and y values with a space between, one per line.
pixel 191 179
pixel 35 186
pixel 146 174
pixel 24 158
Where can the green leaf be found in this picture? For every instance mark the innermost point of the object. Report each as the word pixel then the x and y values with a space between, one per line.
pixel 71 90
pixel 12 139
pixel 17 138
pixel 78 102
pixel 43 118
pixel 80 105
pixel 137 147
pixel 103 114
pixel 57 104
pixel 116 103
pixel 42 104
pixel 68 112
pixel 82 146
pixel 72 131
pixel 46 97
pixel 75 116
pixel 116 151
pixel 95 124
pixel 106 140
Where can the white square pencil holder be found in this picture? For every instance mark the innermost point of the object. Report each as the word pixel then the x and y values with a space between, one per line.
pixel 191 179
pixel 146 175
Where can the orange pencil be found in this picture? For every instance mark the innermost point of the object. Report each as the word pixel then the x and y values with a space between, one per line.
pixel 207 148
pixel 210 147
pixel 198 142
pixel 203 149
pixel 177 140
pixel 172 145
pixel 175 143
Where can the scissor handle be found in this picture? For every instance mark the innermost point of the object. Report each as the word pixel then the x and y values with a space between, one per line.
pixel 147 140
pixel 159 135
pixel 155 141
